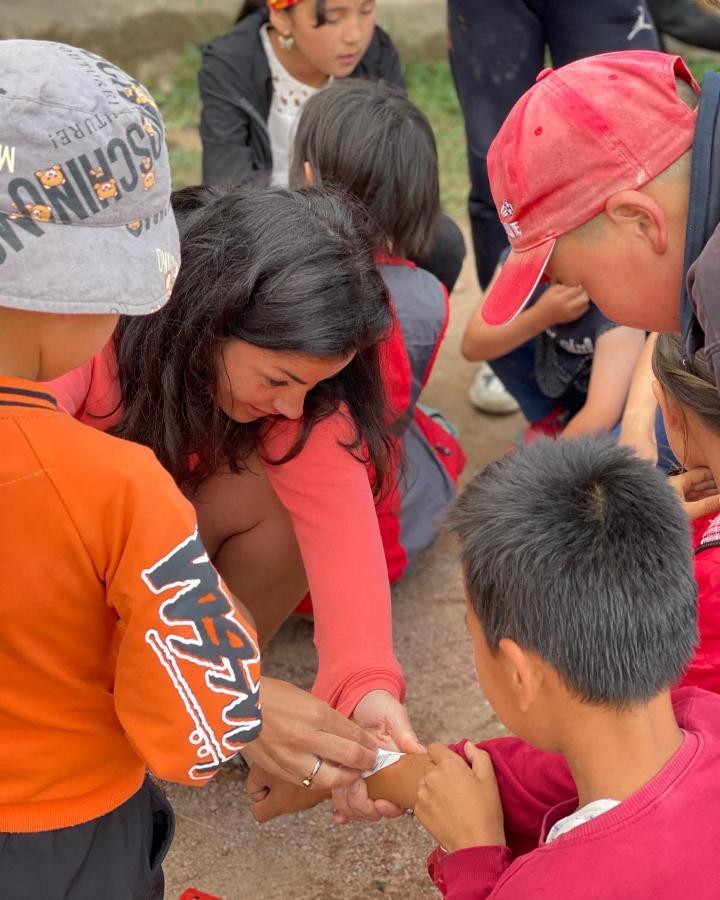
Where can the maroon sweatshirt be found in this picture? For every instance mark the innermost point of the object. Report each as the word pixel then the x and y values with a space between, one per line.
pixel 661 843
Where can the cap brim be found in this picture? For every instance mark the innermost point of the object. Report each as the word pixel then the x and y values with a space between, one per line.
pixel 516 283
pixel 86 269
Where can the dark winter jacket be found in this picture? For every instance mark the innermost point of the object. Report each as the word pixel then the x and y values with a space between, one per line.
pixel 236 93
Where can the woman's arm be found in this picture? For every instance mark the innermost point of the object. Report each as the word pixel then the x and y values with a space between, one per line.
pixel 556 305
pixel 616 354
pixel 327 494
pixel 638 421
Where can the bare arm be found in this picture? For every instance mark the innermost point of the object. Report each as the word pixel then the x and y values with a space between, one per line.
pixel 482 341
pixel 638 421
pixel 558 304
pixel 616 355
pixel 398 784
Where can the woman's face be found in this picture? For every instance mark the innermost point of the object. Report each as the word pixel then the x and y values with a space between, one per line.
pixel 336 47
pixel 253 382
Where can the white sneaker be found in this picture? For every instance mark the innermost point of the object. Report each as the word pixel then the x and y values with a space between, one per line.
pixel 487 393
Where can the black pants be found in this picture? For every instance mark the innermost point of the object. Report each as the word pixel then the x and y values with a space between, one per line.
pixel 116 857
pixel 497 47
pixel 687 21
pixel 447 253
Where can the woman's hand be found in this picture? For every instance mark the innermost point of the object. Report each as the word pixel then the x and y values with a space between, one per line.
pixel 460 806
pixel 384 717
pixel 697 491
pixel 298 730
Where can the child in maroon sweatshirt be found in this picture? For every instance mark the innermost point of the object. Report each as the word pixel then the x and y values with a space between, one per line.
pixel 581 605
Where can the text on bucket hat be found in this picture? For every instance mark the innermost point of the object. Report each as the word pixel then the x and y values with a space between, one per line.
pixel 583 132
pixel 86 224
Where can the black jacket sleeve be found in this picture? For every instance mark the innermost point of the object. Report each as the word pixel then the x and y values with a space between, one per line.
pixel 381 61
pixel 224 123
pixel 390 70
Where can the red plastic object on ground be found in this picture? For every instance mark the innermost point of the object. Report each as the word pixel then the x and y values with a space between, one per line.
pixel 551 426
pixel 195 894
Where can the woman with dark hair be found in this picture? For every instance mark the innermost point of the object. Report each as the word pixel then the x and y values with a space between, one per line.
pixel 255 80
pixel 258 387
pixel 368 140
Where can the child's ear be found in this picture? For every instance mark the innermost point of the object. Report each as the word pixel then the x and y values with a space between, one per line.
pixel 524 673
pixel 309 174
pixel 667 407
pixel 280 21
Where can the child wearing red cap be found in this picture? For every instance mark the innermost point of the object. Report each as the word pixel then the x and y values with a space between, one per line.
pixel 595 184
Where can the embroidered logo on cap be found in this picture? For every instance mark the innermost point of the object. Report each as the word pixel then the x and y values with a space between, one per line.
pixel 512 229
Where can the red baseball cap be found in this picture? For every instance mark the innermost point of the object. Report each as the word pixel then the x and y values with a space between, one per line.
pixel 603 124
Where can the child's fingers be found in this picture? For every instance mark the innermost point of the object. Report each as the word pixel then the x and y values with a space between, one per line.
pixel 256 785
pixel 354 802
pixel 264 810
pixel 481 763
pixel 706 507
pixel 439 753
pixel 388 810
pixel 698 475
pixel 471 752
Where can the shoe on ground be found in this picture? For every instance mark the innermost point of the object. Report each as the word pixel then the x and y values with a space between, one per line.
pixel 487 393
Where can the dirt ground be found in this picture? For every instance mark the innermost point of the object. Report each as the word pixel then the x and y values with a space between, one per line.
pixel 218 846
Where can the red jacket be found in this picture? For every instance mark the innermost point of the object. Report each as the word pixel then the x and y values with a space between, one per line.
pixel 659 844
pixel 704 669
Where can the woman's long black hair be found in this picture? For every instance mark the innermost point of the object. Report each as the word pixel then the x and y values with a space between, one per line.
pixel 284 270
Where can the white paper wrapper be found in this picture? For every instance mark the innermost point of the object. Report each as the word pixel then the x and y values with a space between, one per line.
pixel 384 759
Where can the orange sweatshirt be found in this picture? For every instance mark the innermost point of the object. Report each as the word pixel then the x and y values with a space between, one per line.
pixel 119 646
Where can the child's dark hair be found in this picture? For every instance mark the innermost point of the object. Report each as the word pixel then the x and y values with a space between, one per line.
pixel 252 6
pixel 689 382
pixel 368 139
pixel 284 270
pixel 580 552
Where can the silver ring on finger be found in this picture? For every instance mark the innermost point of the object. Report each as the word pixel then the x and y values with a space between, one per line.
pixel 308 780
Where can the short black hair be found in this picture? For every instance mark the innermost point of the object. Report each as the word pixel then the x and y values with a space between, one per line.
pixel 367 139
pixel 580 551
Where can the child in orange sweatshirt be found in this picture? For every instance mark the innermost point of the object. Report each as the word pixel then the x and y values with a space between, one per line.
pixel 120 649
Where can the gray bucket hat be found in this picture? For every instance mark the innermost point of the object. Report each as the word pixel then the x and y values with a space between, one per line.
pixel 85 219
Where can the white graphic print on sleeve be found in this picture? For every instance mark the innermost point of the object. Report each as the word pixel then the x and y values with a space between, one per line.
pixel 208 634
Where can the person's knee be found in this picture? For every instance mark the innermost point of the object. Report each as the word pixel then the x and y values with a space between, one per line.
pixel 446 257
